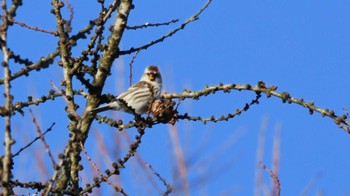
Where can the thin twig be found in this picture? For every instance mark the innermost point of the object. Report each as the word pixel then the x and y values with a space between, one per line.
pixel 214 119
pixel 71 12
pixel 122 161
pixel 47 147
pixel 179 155
pixel 209 164
pixel 116 188
pixel 35 139
pixel 167 185
pixel 130 66
pixel 32 27
pixel 311 184
pixel 276 155
pixel 276 181
pixel 142 164
pixel 70 107
pixel 260 156
pixel 151 25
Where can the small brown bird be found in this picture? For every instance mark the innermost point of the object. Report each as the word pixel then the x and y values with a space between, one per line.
pixel 139 96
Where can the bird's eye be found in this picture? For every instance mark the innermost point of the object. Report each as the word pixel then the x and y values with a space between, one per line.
pixel 155 74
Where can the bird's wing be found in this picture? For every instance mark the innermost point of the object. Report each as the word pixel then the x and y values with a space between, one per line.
pixel 136 91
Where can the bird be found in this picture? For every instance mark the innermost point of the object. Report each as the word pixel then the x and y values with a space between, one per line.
pixel 137 99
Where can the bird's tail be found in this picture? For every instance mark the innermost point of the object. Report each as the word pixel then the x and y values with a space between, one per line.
pixel 101 109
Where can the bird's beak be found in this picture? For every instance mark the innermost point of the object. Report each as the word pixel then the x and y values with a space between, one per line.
pixel 151 77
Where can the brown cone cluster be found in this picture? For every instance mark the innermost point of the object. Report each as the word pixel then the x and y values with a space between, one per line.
pixel 163 111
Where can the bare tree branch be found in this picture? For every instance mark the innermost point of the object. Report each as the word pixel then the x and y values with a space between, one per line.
pixel 261 88
pixel 7 161
pixel 171 33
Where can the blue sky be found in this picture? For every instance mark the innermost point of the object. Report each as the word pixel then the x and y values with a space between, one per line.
pixel 303 47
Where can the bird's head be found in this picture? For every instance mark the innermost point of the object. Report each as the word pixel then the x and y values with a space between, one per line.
pixel 152 74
